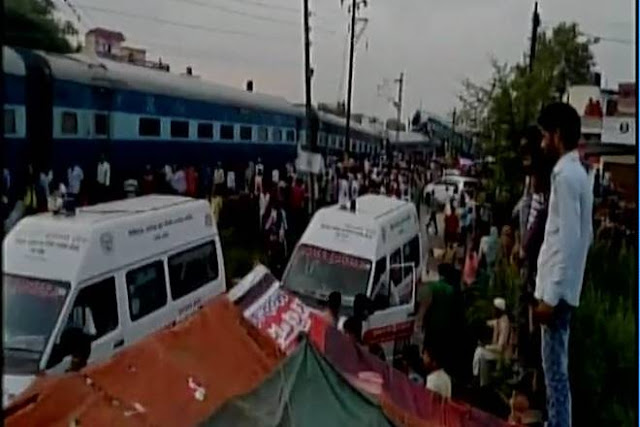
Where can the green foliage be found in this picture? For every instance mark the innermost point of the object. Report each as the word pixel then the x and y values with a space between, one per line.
pixel 603 354
pixel 31 24
pixel 501 109
pixel 602 345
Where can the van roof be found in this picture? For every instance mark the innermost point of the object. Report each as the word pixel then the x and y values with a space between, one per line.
pixel 377 207
pixel 104 237
pixel 119 208
pixel 378 222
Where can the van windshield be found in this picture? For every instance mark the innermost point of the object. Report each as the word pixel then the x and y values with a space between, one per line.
pixel 317 272
pixel 31 309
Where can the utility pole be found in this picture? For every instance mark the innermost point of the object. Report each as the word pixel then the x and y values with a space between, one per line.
pixel 535 24
pixel 308 72
pixel 398 104
pixel 352 34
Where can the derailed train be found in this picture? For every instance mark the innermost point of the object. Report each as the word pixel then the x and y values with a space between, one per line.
pixel 61 110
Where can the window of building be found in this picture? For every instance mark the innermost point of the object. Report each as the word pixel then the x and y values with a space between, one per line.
pixel 291 135
pixel 205 130
pixel 9 121
pixel 263 134
pixel 226 132
pixel 191 269
pixel 179 129
pixel 277 135
pixel 148 126
pixel 147 289
pixel 69 124
pixel 95 309
pixel 246 133
pixel 101 124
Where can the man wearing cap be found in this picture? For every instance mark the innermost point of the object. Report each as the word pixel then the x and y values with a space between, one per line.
pixel 499 342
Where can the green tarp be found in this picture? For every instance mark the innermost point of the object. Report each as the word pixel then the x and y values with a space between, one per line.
pixel 305 390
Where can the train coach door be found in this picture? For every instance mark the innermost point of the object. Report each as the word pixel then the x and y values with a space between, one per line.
pixel 101 122
pixel 39 111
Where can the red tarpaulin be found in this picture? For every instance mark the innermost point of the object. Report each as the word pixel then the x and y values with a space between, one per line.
pixel 177 376
pixel 403 401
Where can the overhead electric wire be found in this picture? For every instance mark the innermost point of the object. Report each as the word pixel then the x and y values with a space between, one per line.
pixel 183 24
pixel 250 15
pixel 203 54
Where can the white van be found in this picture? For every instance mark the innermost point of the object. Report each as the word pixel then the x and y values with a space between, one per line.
pixel 117 271
pixel 375 250
pixel 443 189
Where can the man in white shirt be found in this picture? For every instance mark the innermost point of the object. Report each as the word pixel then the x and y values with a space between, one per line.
pixel 219 180
pixel 103 178
pixel 499 346
pixel 231 182
pixel 344 192
pixel 75 177
pixel 179 181
pixel 258 179
pixel 563 254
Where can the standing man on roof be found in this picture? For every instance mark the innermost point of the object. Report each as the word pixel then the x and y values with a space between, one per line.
pixel 563 254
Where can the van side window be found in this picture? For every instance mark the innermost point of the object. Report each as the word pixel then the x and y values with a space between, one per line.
pixel 146 289
pixel 191 269
pixel 380 269
pixel 380 291
pixel 95 309
pixel 411 253
pixel 396 257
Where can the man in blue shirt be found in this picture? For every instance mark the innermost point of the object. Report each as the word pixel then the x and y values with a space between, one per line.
pixel 563 254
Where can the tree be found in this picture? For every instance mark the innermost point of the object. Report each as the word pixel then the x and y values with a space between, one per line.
pixel 502 108
pixel 31 24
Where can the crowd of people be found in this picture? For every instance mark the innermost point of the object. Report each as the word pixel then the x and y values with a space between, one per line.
pixel 547 241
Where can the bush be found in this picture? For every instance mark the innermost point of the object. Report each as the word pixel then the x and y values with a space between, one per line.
pixel 602 345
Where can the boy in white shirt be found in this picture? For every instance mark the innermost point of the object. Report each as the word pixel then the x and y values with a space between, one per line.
pixel 438 381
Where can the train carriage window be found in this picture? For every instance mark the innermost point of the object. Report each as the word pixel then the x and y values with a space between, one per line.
pixel 330 141
pixel 263 134
pixel 277 135
pixel 69 124
pixel 192 269
pixel 246 133
pixel 179 129
pixel 101 124
pixel 205 130
pixel 9 121
pixel 226 132
pixel 322 140
pixel 148 126
pixel 291 135
pixel 147 289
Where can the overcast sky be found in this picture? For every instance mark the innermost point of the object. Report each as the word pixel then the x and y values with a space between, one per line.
pixel 436 42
